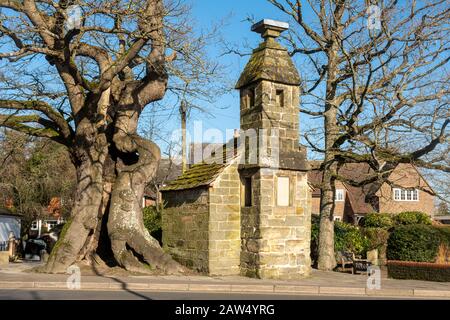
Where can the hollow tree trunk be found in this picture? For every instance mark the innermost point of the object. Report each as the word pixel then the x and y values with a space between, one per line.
pixel 112 172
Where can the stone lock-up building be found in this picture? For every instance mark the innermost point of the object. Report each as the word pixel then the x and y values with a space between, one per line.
pixel 248 212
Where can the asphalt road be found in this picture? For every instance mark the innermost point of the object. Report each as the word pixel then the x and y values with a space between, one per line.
pixel 9 294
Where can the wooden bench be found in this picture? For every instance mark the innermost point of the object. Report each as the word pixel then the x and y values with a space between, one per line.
pixel 348 261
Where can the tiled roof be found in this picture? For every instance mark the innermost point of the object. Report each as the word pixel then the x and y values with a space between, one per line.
pixel 357 199
pixel 353 171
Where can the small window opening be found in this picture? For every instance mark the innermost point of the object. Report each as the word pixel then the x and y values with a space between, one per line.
pixel 279 100
pixel 251 97
pixel 248 191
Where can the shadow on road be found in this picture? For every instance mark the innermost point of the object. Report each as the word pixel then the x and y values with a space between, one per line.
pixel 124 285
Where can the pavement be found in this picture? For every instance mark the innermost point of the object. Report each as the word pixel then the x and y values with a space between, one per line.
pixel 34 294
pixel 320 283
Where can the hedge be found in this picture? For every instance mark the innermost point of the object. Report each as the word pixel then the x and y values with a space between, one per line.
pixel 418 243
pixel 378 220
pixel 347 237
pixel 152 221
pixel 418 271
pixel 412 217
pixel 376 237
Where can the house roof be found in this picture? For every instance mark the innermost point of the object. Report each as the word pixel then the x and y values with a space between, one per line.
pixel 358 196
pixel 352 171
pixel 446 217
pixel 357 199
pixel 167 170
pixel 197 150
pixel 8 212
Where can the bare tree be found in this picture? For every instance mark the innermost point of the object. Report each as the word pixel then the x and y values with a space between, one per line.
pixel 380 90
pixel 81 73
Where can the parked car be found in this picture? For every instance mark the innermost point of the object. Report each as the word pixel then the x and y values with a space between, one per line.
pixel 33 249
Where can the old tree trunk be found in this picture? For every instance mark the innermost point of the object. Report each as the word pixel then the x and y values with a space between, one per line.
pixel 107 75
pixel 113 167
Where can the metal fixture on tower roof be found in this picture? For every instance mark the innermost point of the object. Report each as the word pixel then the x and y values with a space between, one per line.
pixel 270 28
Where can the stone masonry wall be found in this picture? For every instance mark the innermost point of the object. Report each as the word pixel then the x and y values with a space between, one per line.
pixel 276 239
pixel 251 235
pixel 224 223
pixel 266 114
pixel 185 222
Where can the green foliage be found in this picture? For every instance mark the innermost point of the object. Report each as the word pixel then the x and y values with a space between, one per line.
pixel 152 221
pixel 378 220
pixel 414 243
pixel 348 237
pixel 376 237
pixel 412 217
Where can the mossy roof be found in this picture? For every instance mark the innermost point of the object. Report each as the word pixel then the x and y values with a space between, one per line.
pixel 202 174
pixel 270 61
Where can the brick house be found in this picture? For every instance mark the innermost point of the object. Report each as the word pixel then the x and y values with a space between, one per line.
pixel 405 190
pixel 242 217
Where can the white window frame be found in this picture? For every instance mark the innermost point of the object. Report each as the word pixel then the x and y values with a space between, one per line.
pixel 405 195
pixel 337 218
pixel 340 195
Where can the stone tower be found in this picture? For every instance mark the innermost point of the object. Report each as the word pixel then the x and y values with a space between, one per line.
pixel 275 197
